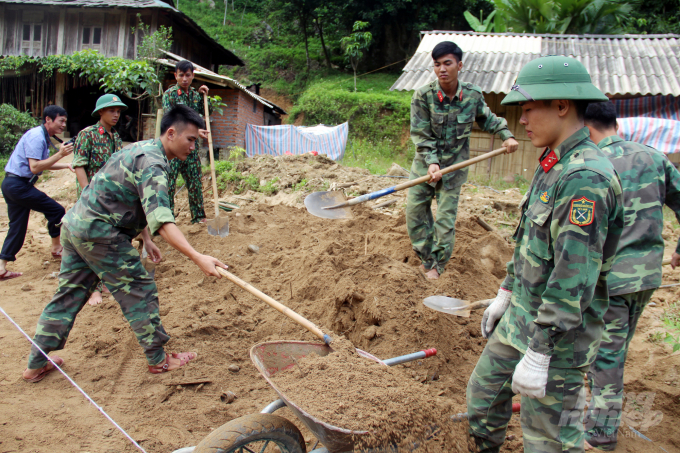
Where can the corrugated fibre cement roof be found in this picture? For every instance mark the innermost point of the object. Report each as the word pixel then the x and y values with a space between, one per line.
pixel 618 64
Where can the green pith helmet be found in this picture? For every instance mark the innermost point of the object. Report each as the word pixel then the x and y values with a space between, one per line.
pixel 108 100
pixel 554 77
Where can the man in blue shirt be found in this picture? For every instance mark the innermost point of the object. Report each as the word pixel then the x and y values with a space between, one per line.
pixel 30 158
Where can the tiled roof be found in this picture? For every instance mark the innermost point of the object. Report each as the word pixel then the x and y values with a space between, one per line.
pixel 618 64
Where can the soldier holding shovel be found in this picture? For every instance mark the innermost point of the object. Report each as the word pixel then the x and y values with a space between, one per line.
pixel 127 197
pixel 442 114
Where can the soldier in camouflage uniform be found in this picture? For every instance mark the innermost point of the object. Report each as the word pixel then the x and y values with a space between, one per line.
pixel 94 145
pixel 442 114
pixel 127 197
pixel 649 180
pixel 549 308
pixel 184 94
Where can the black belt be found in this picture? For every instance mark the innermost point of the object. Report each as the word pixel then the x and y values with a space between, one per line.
pixel 31 181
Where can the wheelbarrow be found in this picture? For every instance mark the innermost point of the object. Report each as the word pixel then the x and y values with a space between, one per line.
pixel 268 433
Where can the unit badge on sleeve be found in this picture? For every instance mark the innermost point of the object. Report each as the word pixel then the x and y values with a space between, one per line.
pixel 582 211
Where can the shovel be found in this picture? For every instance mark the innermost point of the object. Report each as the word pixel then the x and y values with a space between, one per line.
pixel 277 305
pixel 334 205
pixel 453 306
pixel 219 226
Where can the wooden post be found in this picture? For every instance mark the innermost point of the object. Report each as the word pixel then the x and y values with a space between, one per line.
pixel 122 33
pixel 159 117
pixel 60 89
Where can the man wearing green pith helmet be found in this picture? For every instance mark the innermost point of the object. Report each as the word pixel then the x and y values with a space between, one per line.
pixel 94 146
pixel 545 325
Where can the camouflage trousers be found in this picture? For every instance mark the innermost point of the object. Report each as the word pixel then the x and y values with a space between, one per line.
pixel 553 423
pixel 192 174
pixel 432 240
pixel 605 378
pixel 79 191
pixel 83 263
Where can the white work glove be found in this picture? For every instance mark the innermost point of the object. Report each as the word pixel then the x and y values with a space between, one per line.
pixel 495 311
pixel 531 375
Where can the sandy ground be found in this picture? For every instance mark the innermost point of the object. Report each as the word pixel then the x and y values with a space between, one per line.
pixel 356 277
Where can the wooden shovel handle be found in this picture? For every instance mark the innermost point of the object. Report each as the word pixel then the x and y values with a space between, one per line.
pixel 480 304
pixel 276 305
pixel 449 169
pixel 210 151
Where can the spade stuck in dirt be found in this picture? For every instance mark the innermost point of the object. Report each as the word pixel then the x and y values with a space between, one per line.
pixel 457 307
pixel 219 226
pixel 334 205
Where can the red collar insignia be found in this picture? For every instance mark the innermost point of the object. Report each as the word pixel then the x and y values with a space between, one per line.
pixel 440 96
pixel 549 161
pixel 179 92
pixel 461 96
pixel 101 130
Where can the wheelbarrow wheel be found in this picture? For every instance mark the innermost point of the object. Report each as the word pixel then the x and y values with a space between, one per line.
pixel 260 433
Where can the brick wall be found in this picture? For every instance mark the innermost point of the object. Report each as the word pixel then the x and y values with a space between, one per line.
pixel 229 128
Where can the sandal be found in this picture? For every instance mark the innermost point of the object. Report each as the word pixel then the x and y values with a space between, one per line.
pixel 58 254
pixel 184 357
pixel 44 371
pixel 10 275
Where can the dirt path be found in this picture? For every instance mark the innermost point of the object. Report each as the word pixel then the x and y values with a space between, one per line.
pixel 357 277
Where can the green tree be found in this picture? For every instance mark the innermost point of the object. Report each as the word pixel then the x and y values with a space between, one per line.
pixel 562 16
pixel 480 25
pixel 13 124
pixel 356 44
pixel 655 17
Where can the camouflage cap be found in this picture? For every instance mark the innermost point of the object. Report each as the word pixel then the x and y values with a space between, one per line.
pixel 108 100
pixel 554 77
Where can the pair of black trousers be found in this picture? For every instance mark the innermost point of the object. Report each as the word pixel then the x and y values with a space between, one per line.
pixel 22 198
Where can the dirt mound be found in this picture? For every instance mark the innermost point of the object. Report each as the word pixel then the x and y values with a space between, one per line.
pixel 357 278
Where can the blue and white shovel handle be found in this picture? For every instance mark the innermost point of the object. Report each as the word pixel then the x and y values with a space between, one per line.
pixel 415 182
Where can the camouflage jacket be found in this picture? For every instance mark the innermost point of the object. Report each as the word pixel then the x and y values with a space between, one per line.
pixel 571 221
pixel 93 148
pixel 129 193
pixel 175 96
pixel 648 180
pixel 441 128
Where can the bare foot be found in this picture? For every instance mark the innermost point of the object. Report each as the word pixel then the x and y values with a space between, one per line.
pixel 95 298
pixel 587 446
pixel 57 249
pixel 432 274
pixel 106 290
pixel 422 268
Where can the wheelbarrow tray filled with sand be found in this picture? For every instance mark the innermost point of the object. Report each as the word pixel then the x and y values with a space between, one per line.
pixel 255 433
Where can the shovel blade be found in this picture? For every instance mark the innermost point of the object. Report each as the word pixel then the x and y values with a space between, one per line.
pixel 448 305
pixel 218 227
pixel 315 202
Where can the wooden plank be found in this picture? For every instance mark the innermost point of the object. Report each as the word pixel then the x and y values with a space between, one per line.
pixel 2 27
pixel 60 32
pixel 110 30
pixel 122 28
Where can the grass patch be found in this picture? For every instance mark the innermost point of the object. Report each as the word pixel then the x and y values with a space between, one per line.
pixel 377 157
pixel 671 319
pixel 520 182
pixel 669 216
pixel 3 163
pixel 230 177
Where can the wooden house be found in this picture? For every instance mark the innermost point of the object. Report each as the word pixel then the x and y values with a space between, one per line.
pixel 638 72
pixel 39 28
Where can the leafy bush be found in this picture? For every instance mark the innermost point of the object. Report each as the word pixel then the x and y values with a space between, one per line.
pixel 13 124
